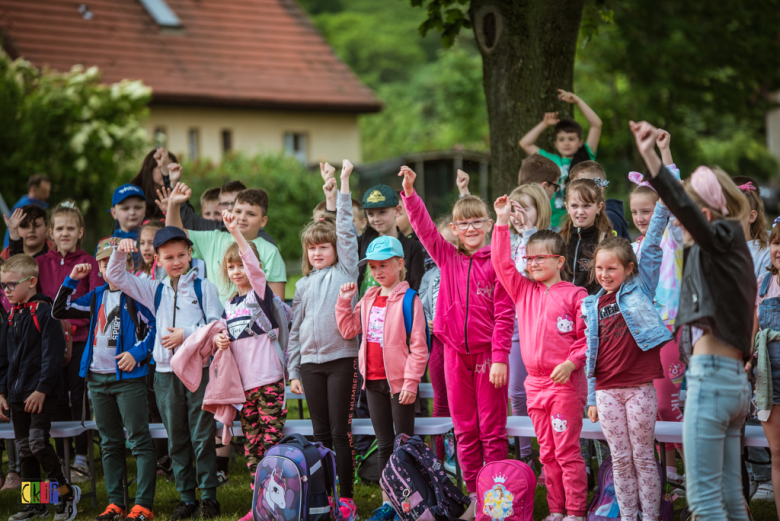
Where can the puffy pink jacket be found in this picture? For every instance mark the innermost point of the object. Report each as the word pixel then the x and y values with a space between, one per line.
pixel 548 319
pixel 404 365
pixel 474 313
pixel 52 270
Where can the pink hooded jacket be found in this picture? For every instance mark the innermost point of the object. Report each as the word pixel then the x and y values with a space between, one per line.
pixel 52 270
pixel 475 313
pixel 404 365
pixel 549 319
pixel 224 390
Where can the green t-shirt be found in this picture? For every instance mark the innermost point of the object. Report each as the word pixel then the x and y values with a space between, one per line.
pixel 564 163
pixel 211 245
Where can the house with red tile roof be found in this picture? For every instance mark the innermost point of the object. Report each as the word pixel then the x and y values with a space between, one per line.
pixel 226 75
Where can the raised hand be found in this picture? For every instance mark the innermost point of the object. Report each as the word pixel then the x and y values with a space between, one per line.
pixel 568 97
pixel 81 270
pixel 330 188
pixel 175 171
pixel 645 135
pixel 551 119
pixel 180 194
pixel 663 139
pixel 503 210
pixel 327 171
pixel 348 290
pixel 518 214
pixel 13 222
pixel 229 220
pixel 462 180
pixel 162 157
pixel 408 182
pixel 127 246
pixel 162 198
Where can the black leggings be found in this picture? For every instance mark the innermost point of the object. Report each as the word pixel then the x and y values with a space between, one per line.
pixel 31 431
pixel 330 394
pixel 386 412
pixel 75 384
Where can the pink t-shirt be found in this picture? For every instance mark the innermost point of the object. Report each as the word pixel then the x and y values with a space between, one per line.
pixel 772 292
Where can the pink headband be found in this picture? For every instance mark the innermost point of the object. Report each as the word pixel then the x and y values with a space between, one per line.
pixel 747 187
pixel 705 183
pixel 638 179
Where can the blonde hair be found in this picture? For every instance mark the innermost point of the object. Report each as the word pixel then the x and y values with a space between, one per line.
pixel 68 208
pixel 402 271
pixel 233 255
pixel 469 207
pixel 736 202
pixel 22 264
pixel 757 227
pixel 151 225
pixel 538 196
pixel 318 232
pixel 589 192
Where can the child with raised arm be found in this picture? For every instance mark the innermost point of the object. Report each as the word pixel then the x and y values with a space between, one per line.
pixel 321 360
pixel 717 300
pixel 259 364
pixel 569 145
pixel 115 364
pixel 181 303
pixel 27 229
pixel 552 343
pixel 475 325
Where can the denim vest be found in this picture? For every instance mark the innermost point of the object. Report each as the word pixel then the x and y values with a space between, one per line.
pixel 635 301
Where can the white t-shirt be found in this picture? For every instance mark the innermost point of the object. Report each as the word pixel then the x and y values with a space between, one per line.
pixel 106 333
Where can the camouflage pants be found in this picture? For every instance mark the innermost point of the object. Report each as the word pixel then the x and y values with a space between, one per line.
pixel 262 419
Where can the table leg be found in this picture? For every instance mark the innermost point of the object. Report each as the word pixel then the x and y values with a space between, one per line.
pixel 458 474
pixel 518 456
pixel 125 488
pixel 91 456
pixel 66 446
pixel 663 462
pixel 300 409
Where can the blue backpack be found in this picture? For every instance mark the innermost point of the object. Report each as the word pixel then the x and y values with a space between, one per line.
pixel 198 293
pixel 409 316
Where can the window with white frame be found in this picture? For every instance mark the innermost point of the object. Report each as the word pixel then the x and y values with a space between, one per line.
pixel 295 144
pixel 193 143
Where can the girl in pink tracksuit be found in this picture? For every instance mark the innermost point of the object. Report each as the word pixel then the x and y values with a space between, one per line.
pixel 475 320
pixel 553 346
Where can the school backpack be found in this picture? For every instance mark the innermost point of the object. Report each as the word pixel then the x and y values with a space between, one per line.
pixel 408 309
pixel 197 284
pixel 293 480
pixel 505 491
pixel 367 465
pixel 418 485
pixel 604 506
pixel 67 329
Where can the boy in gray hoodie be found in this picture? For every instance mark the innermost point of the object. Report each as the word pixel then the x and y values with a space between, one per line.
pixel 320 359
pixel 181 303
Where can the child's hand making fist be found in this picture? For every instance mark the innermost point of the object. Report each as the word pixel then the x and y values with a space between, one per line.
pixel 82 270
pixel 230 221
pixel 346 171
pixel 462 180
pixel 221 341
pixel 408 182
pixel 180 195
pixel 327 171
pixel 562 372
pixel 127 246
pixel 348 290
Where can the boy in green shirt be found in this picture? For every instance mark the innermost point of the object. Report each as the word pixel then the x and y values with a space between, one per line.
pixel 568 144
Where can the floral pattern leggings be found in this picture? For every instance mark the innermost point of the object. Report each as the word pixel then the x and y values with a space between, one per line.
pixel 628 420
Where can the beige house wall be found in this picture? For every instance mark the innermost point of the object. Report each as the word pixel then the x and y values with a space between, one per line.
pixel 329 136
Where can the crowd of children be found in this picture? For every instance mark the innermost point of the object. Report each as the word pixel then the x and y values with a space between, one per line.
pixel 553 308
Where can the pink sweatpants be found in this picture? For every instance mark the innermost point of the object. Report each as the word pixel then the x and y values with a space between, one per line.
pixel 668 388
pixel 479 412
pixel 628 421
pixel 556 411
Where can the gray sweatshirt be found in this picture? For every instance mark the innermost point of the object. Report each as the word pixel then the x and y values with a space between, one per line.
pixel 187 316
pixel 315 337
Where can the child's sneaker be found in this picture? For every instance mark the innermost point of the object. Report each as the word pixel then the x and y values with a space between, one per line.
pixel 183 510
pixel 207 509
pixel 112 512
pixel 384 513
pixel 30 511
pixel 139 513
pixel 67 507
pixel 12 482
pixel 222 478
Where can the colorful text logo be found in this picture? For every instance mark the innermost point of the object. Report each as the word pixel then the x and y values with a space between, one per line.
pixel 40 492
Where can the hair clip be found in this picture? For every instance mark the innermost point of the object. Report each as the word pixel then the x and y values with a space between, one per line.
pixel 322 218
pixel 747 187
pixel 603 183
pixel 777 221
pixel 68 204
pixel 638 179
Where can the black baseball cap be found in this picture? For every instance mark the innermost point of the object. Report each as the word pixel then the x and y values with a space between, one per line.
pixel 170 233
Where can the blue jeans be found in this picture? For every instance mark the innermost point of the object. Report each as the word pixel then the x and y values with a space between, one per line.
pixel 715 411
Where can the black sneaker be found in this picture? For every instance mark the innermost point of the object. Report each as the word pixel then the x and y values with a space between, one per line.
pixel 30 511
pixel 67 508
pixel 208 509
pixel 183 511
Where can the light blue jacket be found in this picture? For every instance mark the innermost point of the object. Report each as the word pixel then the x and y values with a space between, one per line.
pixel 635 301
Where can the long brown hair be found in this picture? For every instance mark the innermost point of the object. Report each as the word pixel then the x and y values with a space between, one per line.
pixel 145 181
pixel 555 245
pixel 621 248
pixel 151 225
pixel 589 192
pixel 757 227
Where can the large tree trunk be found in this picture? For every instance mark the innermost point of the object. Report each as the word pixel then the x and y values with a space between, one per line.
pixel 528 49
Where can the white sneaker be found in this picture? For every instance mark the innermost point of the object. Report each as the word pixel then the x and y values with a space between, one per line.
pixel 67 508
pixel 753 488
pixel 764 492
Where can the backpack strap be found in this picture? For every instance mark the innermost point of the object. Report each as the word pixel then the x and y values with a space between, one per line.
pixel 158 297
pixel 33 308
pixel 259 314
pixel 408 309
pixel 197 283
pixel 329 462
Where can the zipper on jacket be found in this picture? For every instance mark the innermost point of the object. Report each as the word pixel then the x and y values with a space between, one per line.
pixel 466 324
pixel 576 253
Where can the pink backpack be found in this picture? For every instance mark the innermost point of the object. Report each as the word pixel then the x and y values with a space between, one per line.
pixel 505 491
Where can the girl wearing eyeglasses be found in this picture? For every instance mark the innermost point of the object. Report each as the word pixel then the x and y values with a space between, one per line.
pixel 625 334
pixel 552 344
pixel 474 319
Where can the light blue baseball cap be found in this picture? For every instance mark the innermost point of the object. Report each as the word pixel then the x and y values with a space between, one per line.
pixel 383 248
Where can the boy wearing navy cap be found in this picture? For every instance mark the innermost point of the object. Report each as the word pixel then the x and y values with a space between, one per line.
pixel 128 208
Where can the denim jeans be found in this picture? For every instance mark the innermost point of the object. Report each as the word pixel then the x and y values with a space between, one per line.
pixel 715 411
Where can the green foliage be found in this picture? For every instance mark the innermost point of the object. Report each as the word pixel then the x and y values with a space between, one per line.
pixel 72 128
pixel 447 17
pixel 293 192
